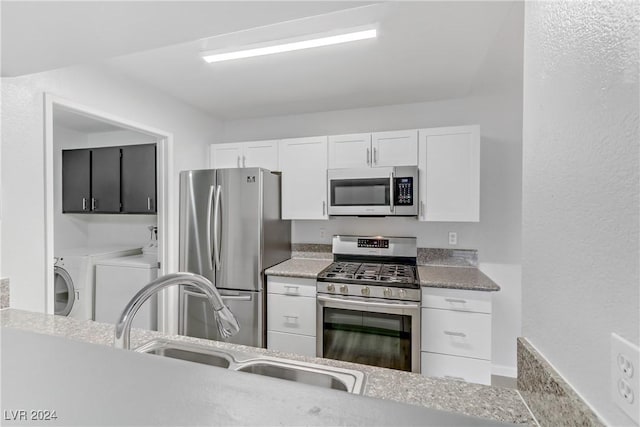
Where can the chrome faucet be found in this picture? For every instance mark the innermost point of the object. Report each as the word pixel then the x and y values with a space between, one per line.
pixel 225 320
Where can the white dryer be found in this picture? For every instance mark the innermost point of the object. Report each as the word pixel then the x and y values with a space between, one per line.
pixel 74 278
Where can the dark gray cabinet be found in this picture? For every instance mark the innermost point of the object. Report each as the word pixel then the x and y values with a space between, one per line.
pixel 109 180
pixel 76 178
pixel 105 180
pixel 139 179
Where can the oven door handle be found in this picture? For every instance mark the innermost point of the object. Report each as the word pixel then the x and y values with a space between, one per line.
pixel 395 305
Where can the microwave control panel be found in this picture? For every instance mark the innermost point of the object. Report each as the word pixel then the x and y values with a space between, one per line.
pixel 403 192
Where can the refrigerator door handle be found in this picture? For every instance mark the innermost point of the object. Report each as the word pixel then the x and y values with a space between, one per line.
pixel 216 227
pixel 211 241
pixel 235 297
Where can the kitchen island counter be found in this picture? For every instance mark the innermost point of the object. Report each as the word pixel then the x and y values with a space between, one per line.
pixel 489 403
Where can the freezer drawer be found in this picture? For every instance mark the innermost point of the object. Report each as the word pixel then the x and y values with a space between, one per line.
pixel 197 318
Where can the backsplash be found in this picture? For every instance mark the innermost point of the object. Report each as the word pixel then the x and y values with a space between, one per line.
pixel 426 256
pixel 551 400
pixel 5 293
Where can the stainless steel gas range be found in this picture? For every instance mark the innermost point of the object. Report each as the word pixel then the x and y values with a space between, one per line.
pixel 369 303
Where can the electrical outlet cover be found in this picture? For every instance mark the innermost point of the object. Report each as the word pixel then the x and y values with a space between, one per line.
pixel 625 377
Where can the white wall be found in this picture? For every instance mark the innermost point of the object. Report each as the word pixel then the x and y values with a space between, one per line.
pixel 495 103
pixel 23 229
pixel 581 188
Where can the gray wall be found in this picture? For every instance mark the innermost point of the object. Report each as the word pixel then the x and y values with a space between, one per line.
pixel 580 213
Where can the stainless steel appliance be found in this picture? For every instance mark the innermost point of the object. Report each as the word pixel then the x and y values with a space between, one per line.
pixel 384 191
pixel 368 303
pixel 230 232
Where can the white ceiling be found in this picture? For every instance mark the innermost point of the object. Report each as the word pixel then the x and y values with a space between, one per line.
pixel 425 51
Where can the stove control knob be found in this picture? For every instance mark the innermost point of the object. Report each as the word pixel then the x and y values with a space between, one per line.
pixel 331 288
pixel 365 291
pixel 387 292
pixel 344 289
pixel 403 293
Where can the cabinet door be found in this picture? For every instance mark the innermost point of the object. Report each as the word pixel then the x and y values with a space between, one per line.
pixel 76 182
pixel 261 154
pixel 105 180
pixel 395 148
pixel 303 162
pixel 139 179
pixel 450 174
pixel 226 156
pixel 350 151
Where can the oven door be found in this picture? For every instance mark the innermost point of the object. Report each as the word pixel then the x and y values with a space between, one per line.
pixel 369 331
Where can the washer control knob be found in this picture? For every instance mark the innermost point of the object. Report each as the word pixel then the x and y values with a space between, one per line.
pixel 344 289
pixel 387 292
pixel 365 291
pixel 331 288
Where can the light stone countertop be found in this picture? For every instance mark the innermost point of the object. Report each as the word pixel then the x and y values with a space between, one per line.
pixel 468 278
pixel 491 403
pixel 307 268
pixel 452 277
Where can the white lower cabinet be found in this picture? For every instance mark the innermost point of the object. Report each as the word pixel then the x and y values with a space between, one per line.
pixel 291 315
pixel 456 335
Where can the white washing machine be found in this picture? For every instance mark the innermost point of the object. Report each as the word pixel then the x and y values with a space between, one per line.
pixel 118 280
pixel 74 278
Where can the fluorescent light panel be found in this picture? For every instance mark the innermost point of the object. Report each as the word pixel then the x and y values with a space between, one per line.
pixel 288 47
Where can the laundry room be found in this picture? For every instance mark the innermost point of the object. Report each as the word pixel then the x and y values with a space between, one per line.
pixel 105 228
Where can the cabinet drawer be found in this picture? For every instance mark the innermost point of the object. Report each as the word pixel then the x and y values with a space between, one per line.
pixel 291 343
pixel 291 286
pixel 291 314
pixel 457 333
pixel 453 299
pixel 455 367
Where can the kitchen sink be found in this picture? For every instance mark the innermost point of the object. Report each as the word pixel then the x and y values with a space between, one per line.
pixel 349 380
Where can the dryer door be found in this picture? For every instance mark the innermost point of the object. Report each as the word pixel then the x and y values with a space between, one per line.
pixel 64 291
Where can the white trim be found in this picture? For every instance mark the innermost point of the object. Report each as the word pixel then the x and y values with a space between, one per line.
pixel 167 235
pixel 504 371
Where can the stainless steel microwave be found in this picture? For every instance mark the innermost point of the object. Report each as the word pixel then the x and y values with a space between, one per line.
pixel 385 191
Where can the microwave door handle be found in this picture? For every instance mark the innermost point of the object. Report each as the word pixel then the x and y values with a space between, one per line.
pixel 391 195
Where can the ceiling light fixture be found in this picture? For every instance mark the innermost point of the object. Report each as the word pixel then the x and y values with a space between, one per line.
pixel 289 45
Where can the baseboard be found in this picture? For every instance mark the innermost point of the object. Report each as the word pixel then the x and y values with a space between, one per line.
pixel 504 371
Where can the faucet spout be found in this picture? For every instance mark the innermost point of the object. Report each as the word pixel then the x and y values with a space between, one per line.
pixel 225 320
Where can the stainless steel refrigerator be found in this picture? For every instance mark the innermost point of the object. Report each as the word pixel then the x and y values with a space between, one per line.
pixel 230 232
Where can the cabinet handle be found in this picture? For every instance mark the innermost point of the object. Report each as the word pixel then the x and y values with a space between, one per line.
pixel 324 208
pixel 451 377
pixel 290 317
pixel 148 203
pixel 454 300
pixel 455 334
pixel 368 156
pixel 291 287
pixel 244 161
pixel 84 203
pixel 375 156
pixel 238 161
pixel 94 204
pixel 422 209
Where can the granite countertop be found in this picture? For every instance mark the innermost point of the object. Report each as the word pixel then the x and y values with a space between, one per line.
pixel 452 277
pixel 468 278
pixel 299 267
pixel 492 403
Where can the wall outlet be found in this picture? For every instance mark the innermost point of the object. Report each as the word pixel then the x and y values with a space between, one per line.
pixel 625 377
pixel 453 238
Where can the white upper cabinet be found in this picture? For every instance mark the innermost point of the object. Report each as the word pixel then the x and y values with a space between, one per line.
pixel 449 164
pixel 303 162
pixel 380 149
pixel 224 156
pixel 395 148
pixel 350 151
pixel 263 154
